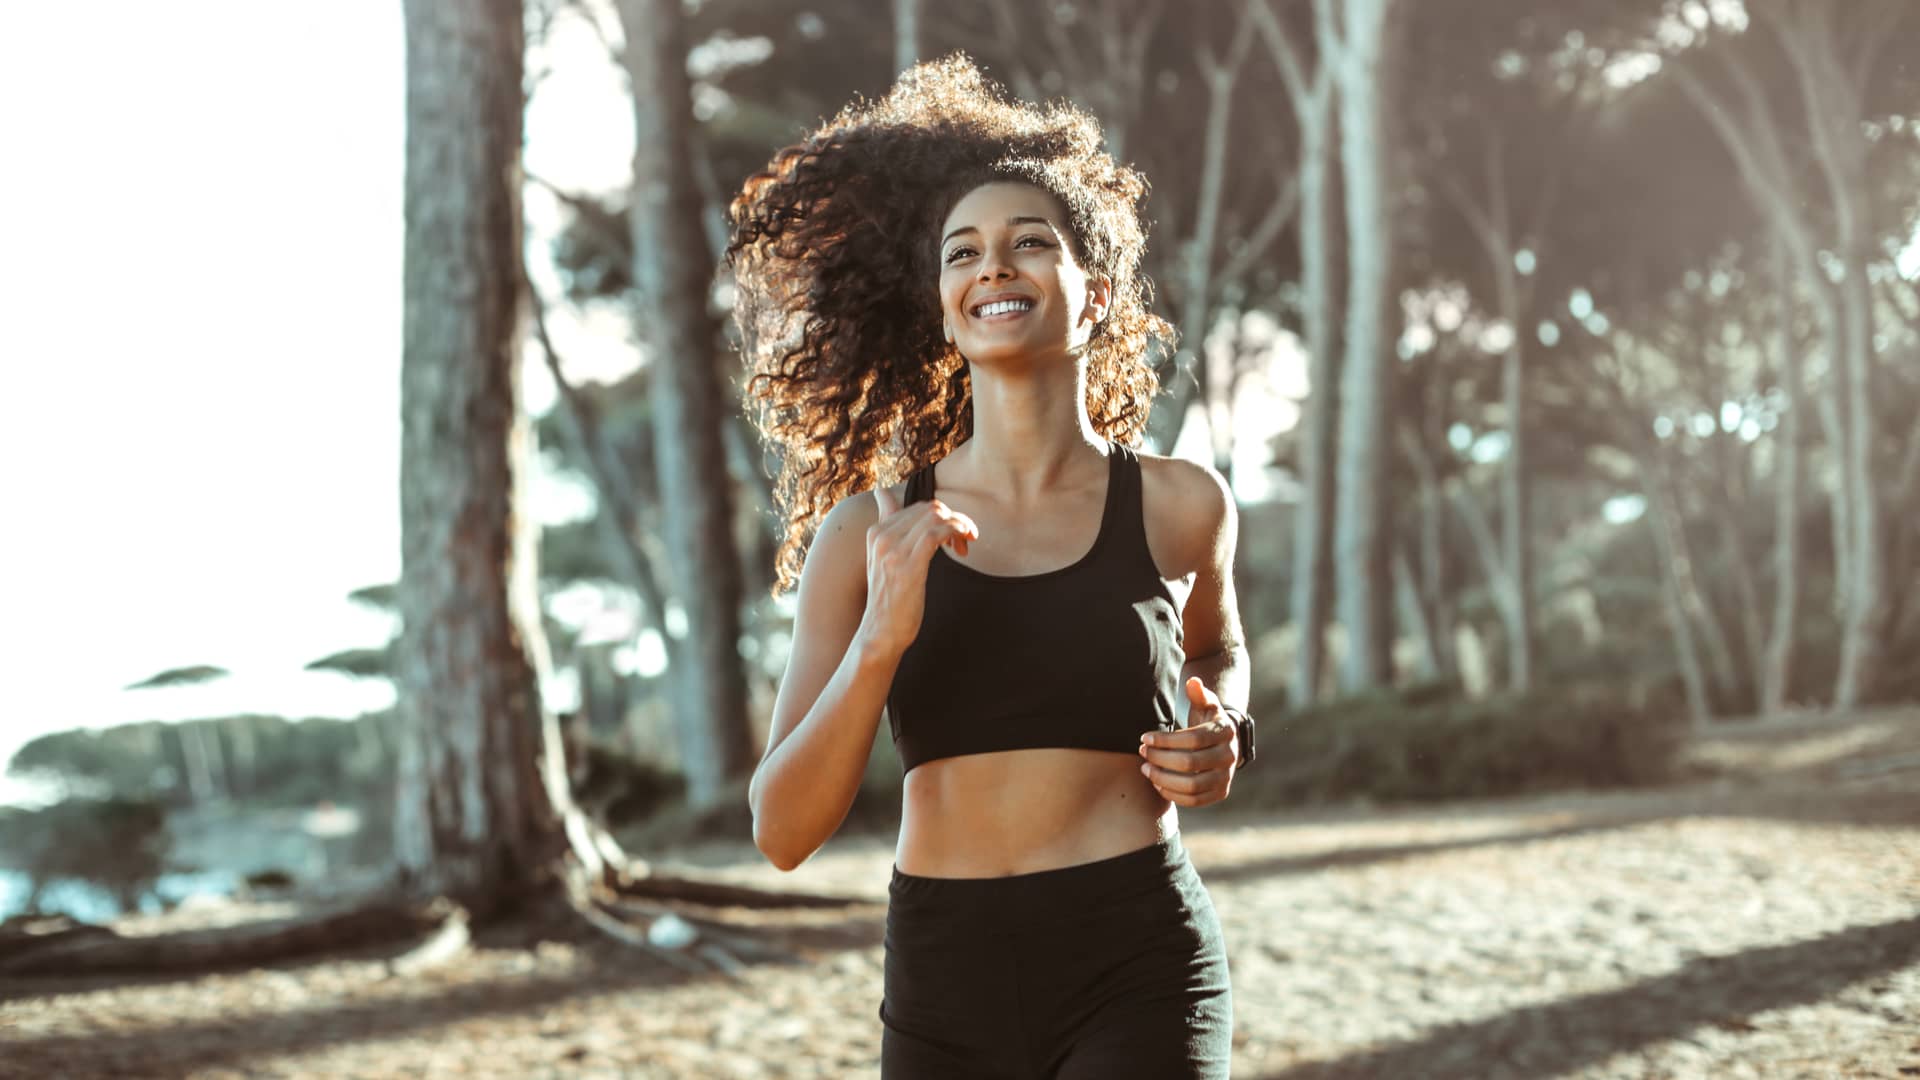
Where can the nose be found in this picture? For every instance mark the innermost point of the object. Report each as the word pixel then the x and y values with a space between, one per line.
pixel 993 268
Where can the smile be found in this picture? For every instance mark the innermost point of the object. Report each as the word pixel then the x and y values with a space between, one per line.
pixel 1003 309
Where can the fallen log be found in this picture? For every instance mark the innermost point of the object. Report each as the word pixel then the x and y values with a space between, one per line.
pixel 652 886
pixel 244 945
pixel 23 934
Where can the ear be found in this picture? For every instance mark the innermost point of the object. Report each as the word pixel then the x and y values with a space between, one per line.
pixel 1099 298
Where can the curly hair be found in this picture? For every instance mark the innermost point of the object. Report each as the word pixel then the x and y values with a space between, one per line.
pixel 835 259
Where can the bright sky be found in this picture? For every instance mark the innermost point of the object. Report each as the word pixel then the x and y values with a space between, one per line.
pixel 204 346
pixel 204 281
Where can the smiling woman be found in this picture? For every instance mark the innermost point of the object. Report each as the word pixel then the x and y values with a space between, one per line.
pixel 940 300
pixel 836 309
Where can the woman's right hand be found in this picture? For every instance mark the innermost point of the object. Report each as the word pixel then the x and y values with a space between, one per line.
pixel 900 545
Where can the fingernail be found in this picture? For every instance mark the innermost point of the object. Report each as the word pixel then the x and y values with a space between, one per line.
pixel 1146 770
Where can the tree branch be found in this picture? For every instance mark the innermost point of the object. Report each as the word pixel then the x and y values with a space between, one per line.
pixel 610 476
pixel 1285 54
pixel 1284 206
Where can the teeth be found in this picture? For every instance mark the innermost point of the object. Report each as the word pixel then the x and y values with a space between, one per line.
pixel 1002 307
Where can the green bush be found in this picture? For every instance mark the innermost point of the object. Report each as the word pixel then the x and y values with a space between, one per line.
pixel 1419 745
pixel 120 845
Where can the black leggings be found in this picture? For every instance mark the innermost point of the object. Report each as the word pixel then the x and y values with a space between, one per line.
pixel 1107 969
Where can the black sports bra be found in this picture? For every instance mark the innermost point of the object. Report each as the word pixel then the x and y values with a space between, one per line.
pixel 1087 656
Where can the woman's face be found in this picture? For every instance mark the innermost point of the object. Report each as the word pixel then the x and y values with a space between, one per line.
pixel 1010 286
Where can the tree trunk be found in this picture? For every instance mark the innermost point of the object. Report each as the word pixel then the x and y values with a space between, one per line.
pixel 1431 586
pixel 1676 587
pixel 1191 379
pixel 1363 65
pixel 473 819
pixel 1830 85
pixel 1414 616
pixel 1436 565
pixel 1699 605
pixel 1726 500
pixel 1314 111
pixel 906 34
pixel 1863 628
pixel 1777 672
pixel 673 271
pixel 1319 416
pixel 1515 486
pixel 201 782
pixel 1492 224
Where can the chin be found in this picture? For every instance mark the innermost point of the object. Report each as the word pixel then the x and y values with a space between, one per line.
pixel 1019 355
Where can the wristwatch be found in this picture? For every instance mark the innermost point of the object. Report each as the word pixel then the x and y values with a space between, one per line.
pixel 1243 729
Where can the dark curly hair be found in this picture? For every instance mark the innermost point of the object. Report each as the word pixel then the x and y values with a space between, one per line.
pixel 834 250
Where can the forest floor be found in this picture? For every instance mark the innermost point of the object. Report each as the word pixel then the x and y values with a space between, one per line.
pixel 1763 923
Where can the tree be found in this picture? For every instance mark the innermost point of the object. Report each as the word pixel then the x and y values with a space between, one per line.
pixel 906 34
pixel 1777 667
pixel 673 273
pixel 475 818
pixel 1310 92
pixel 1831 54
pixel 1360 38
pixel 119 844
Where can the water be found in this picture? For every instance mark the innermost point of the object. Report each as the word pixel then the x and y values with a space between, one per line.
pixel 90 903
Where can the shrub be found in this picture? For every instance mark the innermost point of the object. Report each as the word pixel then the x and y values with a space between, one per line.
pixel 118 844
pixel 1420 745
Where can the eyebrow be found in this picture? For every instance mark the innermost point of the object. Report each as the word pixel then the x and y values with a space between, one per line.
pixel 1010 222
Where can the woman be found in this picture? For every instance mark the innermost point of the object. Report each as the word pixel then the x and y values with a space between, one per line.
pixel 941 309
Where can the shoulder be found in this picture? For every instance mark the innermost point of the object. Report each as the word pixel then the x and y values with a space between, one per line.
pixel 850 518
pixel 854 514
pixel 1189 509
pixel 1187 489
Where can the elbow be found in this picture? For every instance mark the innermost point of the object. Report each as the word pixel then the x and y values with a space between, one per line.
pixel 781 854
pixel 779 850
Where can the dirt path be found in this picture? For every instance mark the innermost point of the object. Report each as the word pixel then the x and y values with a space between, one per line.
pixel 1717 930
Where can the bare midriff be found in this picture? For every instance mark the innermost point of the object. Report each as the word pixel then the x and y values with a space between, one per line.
pixel 1022 811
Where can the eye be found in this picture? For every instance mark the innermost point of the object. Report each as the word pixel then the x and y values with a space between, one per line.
pixel 955 254
pixel 1039 240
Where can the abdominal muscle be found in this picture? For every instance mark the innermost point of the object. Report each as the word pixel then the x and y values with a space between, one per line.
pixel 1023 811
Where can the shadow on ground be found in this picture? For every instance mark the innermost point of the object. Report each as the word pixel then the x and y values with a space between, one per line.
pixel 182 1048
pixel 1590 814
pixel 1551 1040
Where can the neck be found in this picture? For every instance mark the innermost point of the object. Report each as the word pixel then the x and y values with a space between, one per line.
pixel 1031 431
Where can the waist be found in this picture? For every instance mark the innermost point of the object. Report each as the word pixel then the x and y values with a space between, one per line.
pixel 1063 890
pixel 1009 813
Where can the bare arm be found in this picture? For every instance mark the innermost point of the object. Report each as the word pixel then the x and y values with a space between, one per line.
pixel 859 609
pixel 1215 644
pixel 1194 766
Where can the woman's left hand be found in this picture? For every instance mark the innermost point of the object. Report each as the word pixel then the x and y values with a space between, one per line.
pixel 1193 766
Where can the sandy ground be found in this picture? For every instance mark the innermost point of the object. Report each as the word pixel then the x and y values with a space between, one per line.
pixel 1761 925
